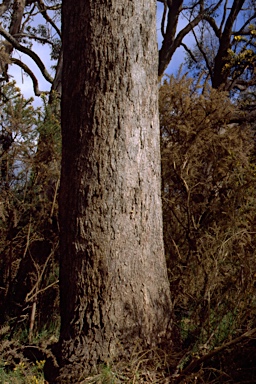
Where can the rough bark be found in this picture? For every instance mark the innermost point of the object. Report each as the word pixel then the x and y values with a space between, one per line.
pixel 113 278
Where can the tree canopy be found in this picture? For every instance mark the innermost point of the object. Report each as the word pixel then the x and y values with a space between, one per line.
pixel 223 33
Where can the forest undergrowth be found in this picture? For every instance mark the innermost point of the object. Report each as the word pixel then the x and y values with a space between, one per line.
pixel 209 217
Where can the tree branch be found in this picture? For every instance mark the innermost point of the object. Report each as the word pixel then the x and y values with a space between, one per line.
pixel 189 52
pixel 28 52
pixel 224 15
pixel 248 21
pixel 31 75
pixel 4 6
pixel 56 85
pixel 208 66
pixel 170 42
pixel 33 37
pixel 214 26
pixel 163 19
pixel 42 8
pixel 167 51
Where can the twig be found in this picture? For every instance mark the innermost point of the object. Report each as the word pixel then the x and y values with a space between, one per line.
pixel 28 237
pixel 30 295
pixel 55 196
pixel 43 290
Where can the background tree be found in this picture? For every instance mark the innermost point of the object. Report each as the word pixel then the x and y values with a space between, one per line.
pixel 225 46
pixel 173 13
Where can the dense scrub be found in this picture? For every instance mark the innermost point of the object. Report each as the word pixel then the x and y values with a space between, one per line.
pixel 209 205
pixel 29 160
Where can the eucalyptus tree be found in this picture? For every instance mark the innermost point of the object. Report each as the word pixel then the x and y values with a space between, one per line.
pixel 113 278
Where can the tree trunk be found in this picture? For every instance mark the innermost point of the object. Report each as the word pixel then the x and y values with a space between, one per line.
pixel 113 277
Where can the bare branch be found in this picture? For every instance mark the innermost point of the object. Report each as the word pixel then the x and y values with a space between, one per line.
pixel 189 52
pixel 214 26
pixel 247 22
pixel 220 77
pixel 53 7
pixel 56 85
pixel 224 16
pixel 163 19
pixel 42 9
pixel 203 54
pixel 34 37
pixel 170 42
pixel 31 75
pixel 28 52
pixel 166 52
pixel 16 19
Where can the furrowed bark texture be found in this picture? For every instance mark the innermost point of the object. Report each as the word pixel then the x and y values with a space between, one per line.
pixel 114 286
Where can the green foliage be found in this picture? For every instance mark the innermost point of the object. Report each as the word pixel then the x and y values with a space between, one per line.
pixel 22 373
pixel 241 62
pixel 21 363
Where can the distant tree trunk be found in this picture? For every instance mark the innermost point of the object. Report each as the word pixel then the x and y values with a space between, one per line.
pixel 113 278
